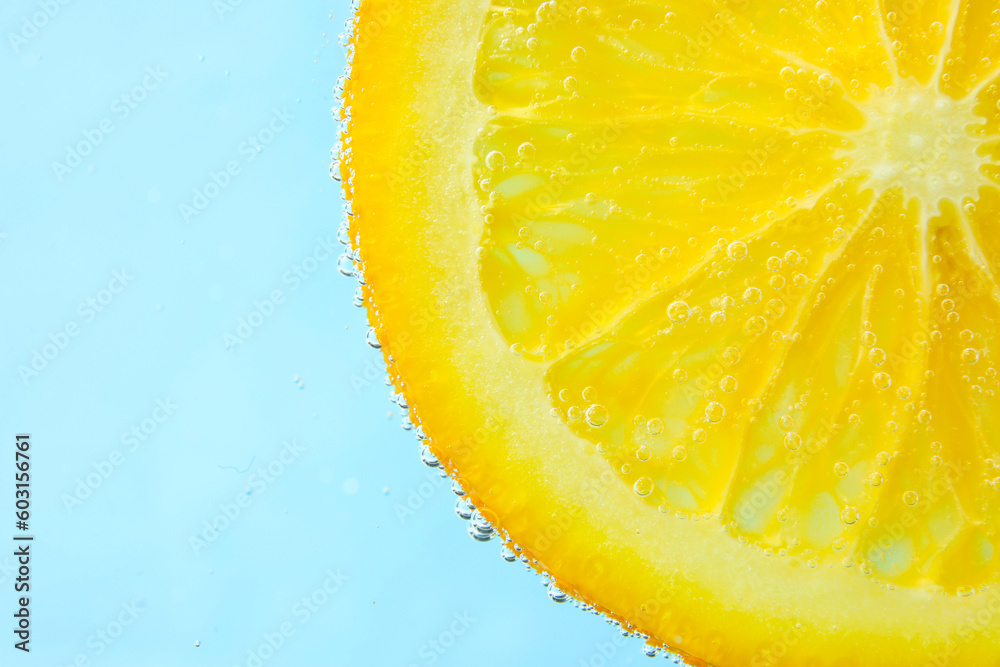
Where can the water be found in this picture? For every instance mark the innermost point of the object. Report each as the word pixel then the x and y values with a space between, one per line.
pixel 127 548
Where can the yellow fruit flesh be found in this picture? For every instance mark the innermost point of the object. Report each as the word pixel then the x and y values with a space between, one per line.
pixel 698 301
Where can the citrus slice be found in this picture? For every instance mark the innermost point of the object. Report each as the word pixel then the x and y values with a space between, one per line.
pixel 698 302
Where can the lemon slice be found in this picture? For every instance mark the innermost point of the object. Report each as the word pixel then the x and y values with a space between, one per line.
pixel 698 301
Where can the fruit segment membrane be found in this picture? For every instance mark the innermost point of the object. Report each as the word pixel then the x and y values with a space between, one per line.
pixel 753 247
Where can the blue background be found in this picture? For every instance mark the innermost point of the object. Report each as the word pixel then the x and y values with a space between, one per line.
pixel 118 577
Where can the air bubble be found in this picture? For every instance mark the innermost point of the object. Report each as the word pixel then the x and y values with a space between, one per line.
pixel 882 380
pixel 970 356
pixel 643 487
pixel 775 308
pixel 345 264
pixel 680 375
pixel 731 356
pixel 751 295
pixel 480 529
pixel 911 498
pixel 850 515
pixel 494 160
pixel 792 441
pixel 557 595
pixel 596 416
pixel 464 509
pixel 680 453
pixel 427 457
pixel 679 311
pixel 714 412
pixel 728 384
pixel 756 325
pixel 737 250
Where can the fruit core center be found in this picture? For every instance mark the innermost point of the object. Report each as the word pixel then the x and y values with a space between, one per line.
pixel 923 141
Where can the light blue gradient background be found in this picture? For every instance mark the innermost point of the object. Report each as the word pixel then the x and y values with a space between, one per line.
pixel 162 337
